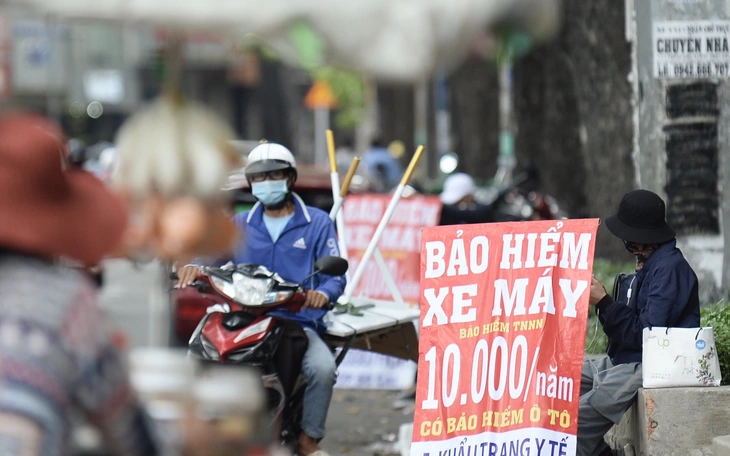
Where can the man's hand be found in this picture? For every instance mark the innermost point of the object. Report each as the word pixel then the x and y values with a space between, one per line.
pixel 186 275
pixel 315 300
pixel 598 292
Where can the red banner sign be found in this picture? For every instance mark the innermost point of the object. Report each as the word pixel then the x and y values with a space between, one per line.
pixel 400 244
pixel 503 321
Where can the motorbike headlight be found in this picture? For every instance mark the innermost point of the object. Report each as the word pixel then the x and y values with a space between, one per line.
pixel 247 290
pixel 227 288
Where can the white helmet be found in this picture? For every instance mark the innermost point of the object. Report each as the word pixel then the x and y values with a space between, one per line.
pixel 270 157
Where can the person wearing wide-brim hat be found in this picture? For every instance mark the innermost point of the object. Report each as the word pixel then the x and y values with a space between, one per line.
pixel 57 357
pixel 663 292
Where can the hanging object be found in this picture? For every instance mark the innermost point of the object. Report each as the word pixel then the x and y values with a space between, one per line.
pixel 174 159
pixel 174 148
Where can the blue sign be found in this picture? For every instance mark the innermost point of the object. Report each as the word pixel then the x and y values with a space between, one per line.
pixel 700 344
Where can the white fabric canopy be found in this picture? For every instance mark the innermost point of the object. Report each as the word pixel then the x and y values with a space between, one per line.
pixel 401 40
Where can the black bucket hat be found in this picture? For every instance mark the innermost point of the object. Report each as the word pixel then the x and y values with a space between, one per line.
pixel 640 219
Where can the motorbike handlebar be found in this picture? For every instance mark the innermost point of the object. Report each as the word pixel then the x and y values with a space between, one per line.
pixel 297 301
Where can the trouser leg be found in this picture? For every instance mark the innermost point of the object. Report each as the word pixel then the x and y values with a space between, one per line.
pixel 612 393
pixel 320 372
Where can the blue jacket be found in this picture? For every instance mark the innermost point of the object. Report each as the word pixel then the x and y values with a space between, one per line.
pixel 667 296
pixel 308 236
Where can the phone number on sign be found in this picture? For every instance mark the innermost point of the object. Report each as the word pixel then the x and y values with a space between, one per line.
pixel 695 69
pixel 496 369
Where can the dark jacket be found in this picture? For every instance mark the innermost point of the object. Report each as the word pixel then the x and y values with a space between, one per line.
pixel 667 290
pixel 453 214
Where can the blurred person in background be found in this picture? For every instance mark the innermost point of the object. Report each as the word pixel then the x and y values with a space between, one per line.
pixel 345 155
pixel 382 167
pixel 56 356
pixel 459 207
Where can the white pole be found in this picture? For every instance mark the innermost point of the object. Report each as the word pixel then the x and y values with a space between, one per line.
pixel 321 123
pixel 335 179
pixel 339 220
pixel 336 208
pixel 351 285
pixel 394 291
pixel 334 212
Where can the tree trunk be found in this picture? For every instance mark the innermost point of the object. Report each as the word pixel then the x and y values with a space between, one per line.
pixel 573 114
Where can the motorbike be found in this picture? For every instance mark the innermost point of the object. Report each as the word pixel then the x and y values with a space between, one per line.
pixel 519 200
pixel 514 203
pixel 238 329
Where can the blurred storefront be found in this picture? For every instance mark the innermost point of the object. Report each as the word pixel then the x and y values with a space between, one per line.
pixel 36 61
pixel 90 76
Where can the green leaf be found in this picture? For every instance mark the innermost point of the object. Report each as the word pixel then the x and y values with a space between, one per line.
pixel 717 316
pixel 309 45
pixel 349 88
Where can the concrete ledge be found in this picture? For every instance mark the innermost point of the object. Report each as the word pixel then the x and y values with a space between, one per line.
pixel 673 422
pixel 721 446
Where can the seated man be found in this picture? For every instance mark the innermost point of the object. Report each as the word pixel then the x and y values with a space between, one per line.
pixel 664 293
pixel 287 237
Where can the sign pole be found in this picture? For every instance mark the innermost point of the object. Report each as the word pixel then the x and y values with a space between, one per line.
pixel 506 160
pixel 345 186
pixel 335 178
pixel 321 124
pixel 397 297
pixel 352 285
pixel 321 100
pixel 389 282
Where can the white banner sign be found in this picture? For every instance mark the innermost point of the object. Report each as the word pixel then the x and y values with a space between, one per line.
pixel 691 49
pixel 367 370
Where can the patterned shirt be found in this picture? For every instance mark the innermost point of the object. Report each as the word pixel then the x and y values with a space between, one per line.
pixel 58 361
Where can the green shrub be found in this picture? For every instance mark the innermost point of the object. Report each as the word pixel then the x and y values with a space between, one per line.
pixel 718 317
pixel 606 272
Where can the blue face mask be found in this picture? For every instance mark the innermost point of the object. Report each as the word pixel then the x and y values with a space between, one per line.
pixel 270 192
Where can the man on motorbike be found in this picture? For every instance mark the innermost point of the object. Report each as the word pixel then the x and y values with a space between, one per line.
pixel 283 234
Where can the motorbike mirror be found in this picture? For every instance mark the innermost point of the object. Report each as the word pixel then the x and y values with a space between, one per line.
pixel 331 265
